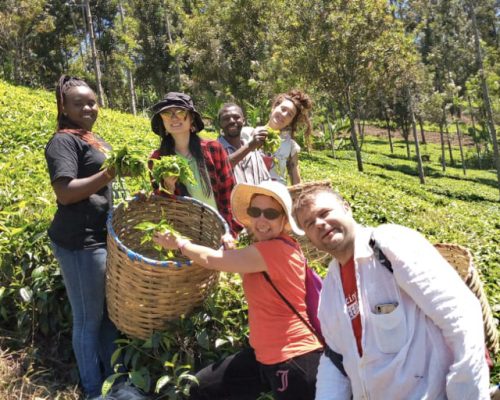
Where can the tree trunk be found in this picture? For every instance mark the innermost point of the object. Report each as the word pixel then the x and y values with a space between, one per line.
pixel 406 134
pixel 420 167
pixel 95 58
pixel 388 125
pixel 332 135
pixel 354 138
pixel 422 133
pixel 452 161
pixel 443 151
pixel 167 24
pixel 486 97
pixel 476 139
pixel 459 135
pixel 130 77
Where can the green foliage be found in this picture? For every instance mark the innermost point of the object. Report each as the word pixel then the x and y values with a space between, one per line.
pixel 273 141
pixel 449 208
pixel 164 362
pixel 126 162
pixel 172 166
pixel 150 228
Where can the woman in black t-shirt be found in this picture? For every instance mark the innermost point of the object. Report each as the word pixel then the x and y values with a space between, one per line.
pixel 78 231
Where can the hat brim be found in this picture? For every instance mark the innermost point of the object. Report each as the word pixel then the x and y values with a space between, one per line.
pixel 243 193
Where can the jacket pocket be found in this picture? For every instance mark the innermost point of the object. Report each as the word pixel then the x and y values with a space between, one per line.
pixel 390 330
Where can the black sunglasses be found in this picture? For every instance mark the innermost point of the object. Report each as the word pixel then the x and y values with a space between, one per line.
pixel 269 213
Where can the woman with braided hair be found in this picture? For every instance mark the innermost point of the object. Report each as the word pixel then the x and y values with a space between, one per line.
pixel 289 110
pixel 74 157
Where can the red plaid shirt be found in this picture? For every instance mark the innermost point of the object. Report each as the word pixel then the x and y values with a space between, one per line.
pixel 221 178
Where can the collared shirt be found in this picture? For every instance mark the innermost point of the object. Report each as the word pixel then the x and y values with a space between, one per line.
pixel 431 346
pixel 251 169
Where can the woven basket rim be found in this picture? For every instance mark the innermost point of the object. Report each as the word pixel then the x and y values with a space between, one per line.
pixel 134 256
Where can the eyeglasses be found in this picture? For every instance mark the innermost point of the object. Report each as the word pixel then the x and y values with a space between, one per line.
pixel 269 213
pixel 179 113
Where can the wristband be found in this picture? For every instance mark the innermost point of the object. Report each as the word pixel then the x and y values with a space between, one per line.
pixel 182 243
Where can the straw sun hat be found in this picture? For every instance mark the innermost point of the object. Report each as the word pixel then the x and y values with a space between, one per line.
pixel 243 193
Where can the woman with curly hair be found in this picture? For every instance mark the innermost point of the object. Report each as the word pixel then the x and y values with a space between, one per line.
pixel 289 110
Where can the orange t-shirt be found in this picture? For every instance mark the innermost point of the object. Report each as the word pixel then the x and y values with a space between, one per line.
pixel 276 333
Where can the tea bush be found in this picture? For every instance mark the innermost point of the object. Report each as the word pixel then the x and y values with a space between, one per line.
pixel 450 207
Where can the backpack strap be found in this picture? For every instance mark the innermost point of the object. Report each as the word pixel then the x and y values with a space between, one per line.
pixel 379 254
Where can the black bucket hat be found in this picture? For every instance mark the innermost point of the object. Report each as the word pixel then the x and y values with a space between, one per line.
pixel 177 100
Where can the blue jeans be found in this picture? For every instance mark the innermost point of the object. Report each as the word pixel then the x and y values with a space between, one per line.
pixel 84 275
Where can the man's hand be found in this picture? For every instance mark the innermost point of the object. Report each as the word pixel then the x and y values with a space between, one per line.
pixel 259 136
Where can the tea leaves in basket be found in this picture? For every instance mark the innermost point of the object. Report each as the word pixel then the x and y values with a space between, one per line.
pixel 150 228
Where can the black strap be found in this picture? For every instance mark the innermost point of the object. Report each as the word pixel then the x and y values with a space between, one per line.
pixel 311 328
pixel 335 358
pixel 379 254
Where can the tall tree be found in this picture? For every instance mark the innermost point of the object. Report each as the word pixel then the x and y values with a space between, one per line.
pixel 95 57
pixel 484 87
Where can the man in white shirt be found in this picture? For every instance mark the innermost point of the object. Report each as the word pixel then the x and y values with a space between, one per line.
pixel 398 317
pixel 248 165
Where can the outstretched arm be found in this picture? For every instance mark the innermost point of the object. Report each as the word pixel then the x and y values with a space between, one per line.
pixel 243 261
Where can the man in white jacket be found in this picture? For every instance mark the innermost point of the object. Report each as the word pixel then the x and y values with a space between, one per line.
pixel 398 315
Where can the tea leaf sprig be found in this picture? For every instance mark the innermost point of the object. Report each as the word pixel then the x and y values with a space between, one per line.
pixel 150 228
pixel 126 162
pixel 273 140
pixel 172 166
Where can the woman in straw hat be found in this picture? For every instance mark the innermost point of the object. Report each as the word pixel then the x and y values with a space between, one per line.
pixel 177 122
pixel 284 354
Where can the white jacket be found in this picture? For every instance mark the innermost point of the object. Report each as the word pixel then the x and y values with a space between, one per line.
pixel 430 347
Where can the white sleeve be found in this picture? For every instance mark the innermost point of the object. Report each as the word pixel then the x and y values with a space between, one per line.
pixel 440 293
pixel 330 383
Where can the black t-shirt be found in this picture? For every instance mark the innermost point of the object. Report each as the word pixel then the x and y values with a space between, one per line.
pixel 79 225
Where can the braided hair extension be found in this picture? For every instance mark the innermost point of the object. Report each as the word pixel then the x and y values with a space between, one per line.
pixel 64 84
pixel 303 104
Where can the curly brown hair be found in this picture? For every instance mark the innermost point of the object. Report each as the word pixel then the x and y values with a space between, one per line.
pixel 303 104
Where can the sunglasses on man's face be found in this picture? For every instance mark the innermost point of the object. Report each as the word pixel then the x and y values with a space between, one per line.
pixel 269 213
pixel 180 114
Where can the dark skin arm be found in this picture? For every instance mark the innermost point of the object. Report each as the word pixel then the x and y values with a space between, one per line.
pixel 258 139
pixel 70 191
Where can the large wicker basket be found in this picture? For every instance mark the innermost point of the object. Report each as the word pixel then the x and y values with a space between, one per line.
pixel 461 259
pixel 142 293
pixel 311 253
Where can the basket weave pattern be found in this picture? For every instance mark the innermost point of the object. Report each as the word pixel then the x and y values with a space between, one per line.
pixel 142 293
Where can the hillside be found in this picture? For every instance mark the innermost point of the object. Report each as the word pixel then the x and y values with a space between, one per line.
pixel 450 207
